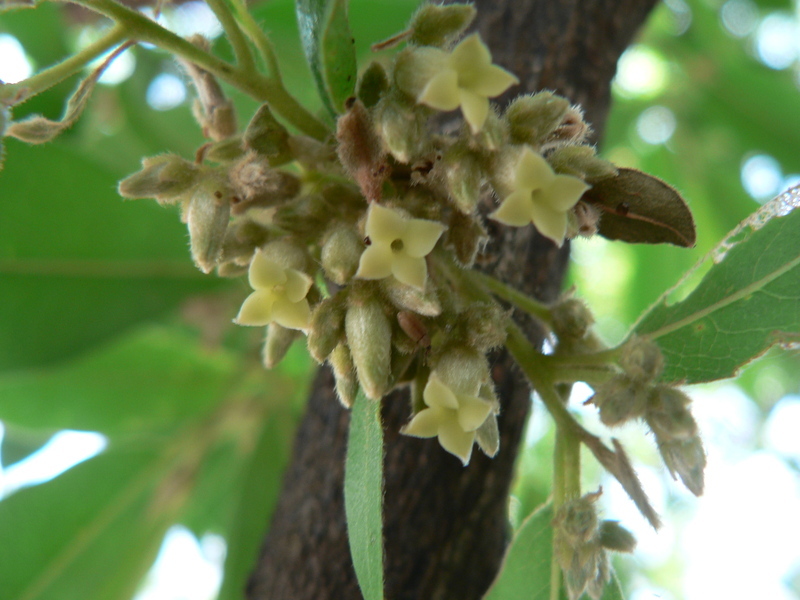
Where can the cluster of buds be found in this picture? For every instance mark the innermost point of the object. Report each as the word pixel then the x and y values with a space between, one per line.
pixel 357 242
pixel 635 393
pixel 581 543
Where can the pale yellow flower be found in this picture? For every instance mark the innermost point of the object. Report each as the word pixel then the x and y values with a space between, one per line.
pixel 467 79
pixel 540 197
pixel 397 246
pixel 452 416
pixel 279 296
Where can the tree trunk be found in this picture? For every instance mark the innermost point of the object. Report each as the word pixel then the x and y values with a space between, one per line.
pixel 445 526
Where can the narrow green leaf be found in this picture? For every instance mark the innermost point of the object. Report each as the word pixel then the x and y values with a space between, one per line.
pixel 95 525
pixel 747 302
pixel 363 495
pixel 525 572
pixel 329 47
pixel 639 208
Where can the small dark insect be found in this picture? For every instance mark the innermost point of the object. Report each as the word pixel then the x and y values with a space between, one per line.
pixel 623 208
pixel 218 195
pixel 367 241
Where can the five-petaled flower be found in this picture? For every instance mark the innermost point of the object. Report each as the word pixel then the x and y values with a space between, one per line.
pixel 397 246
pixel 452 416
pixel 279 296
pixel 467 79
pixel 541 197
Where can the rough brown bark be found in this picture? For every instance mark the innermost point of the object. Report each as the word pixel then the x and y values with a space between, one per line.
pixel 445 525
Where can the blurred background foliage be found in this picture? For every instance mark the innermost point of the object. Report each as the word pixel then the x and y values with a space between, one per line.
pixel 107 328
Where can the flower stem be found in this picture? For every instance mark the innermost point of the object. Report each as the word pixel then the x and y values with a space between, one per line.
pixel 18 92
pixel 244 58
pixel 529 305
pixel 258 37
pixel 264 89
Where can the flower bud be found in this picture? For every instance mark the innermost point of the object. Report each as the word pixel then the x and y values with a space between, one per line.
pixel 687 459
pixel 287 254
pixel 327 327
pixel 369 335
pixel 581 161
pixel 435 25
pixel 620 400
pixel 267 137
pixel 668 414
pixel 360 150
pixel 207 216
pixel 572 319
pixel 641 359
pixel 572 129
pixel 463 370
pixel 482 326
pixel 224 151
pixel 534 117
pixel 402 128
pixel 465 236
pixel 415 67
pixel 166 178
pixel 373 84
pixel 582 220
pixel 615 537
pixel 462 176
pixel 341 252
pixel 406 297
pixel 256 184
pixel 277 343
pixel 344 372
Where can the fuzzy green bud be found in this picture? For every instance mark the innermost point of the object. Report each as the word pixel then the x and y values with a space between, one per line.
pixel 344 372
pixel 405 297
pixel 462 176
pixel 534 117
pixel 572 319
pixel 668 414
pixel 373 84
pixel 687 459
pixel 166 178
pixel 341 252
pixel 267 137
pixel 327 327
pixel 620 400
pixel 581 161
pixel 436 25
pixel 615 537
pixel 465 236
pixel 482 326
pixel 277 343
pixel 288 254
pixel 256 184
pixel 641 359
pixel 225 150
pixel 463 370
pixel 207 215
pixel 369 335
pixel 402 128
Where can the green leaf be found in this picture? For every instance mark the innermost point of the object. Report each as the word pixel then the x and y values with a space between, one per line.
pixel 747 302
pixel 640 208
pixel 77 264
pixel 153 379
pixel 95 525
pixel 258 491
pixel 525 572
pixel 363 494
pixel 329 47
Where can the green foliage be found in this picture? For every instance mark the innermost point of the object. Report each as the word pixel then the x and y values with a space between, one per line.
pixel 363 495
pixel 329 48
pixel 747 302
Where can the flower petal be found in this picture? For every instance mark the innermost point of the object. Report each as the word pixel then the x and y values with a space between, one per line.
pixel 297 285
pixel 490 81
pixel 265 273
pixel 256 309
pixel 550 223
pixel 375 262
pixel 515 210
pixel 421 236
pixel 472 411
pixel 292 315
pixel 533 171
pixel 475 108
pixel 384 224
pixel 456 441
pixel 441 92
pixel 425 423
pixel 409 270
pixel 565 191
pixel 470 53
pixel 438 394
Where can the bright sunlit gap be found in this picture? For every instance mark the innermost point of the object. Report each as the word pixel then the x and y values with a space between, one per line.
pixel 185 569
pixel 641 72
pixel 62 452
pixel 15 66
pixel 166 91
pixel 739 17
pixel 761 176
pixel 656 125
pixel 776 41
